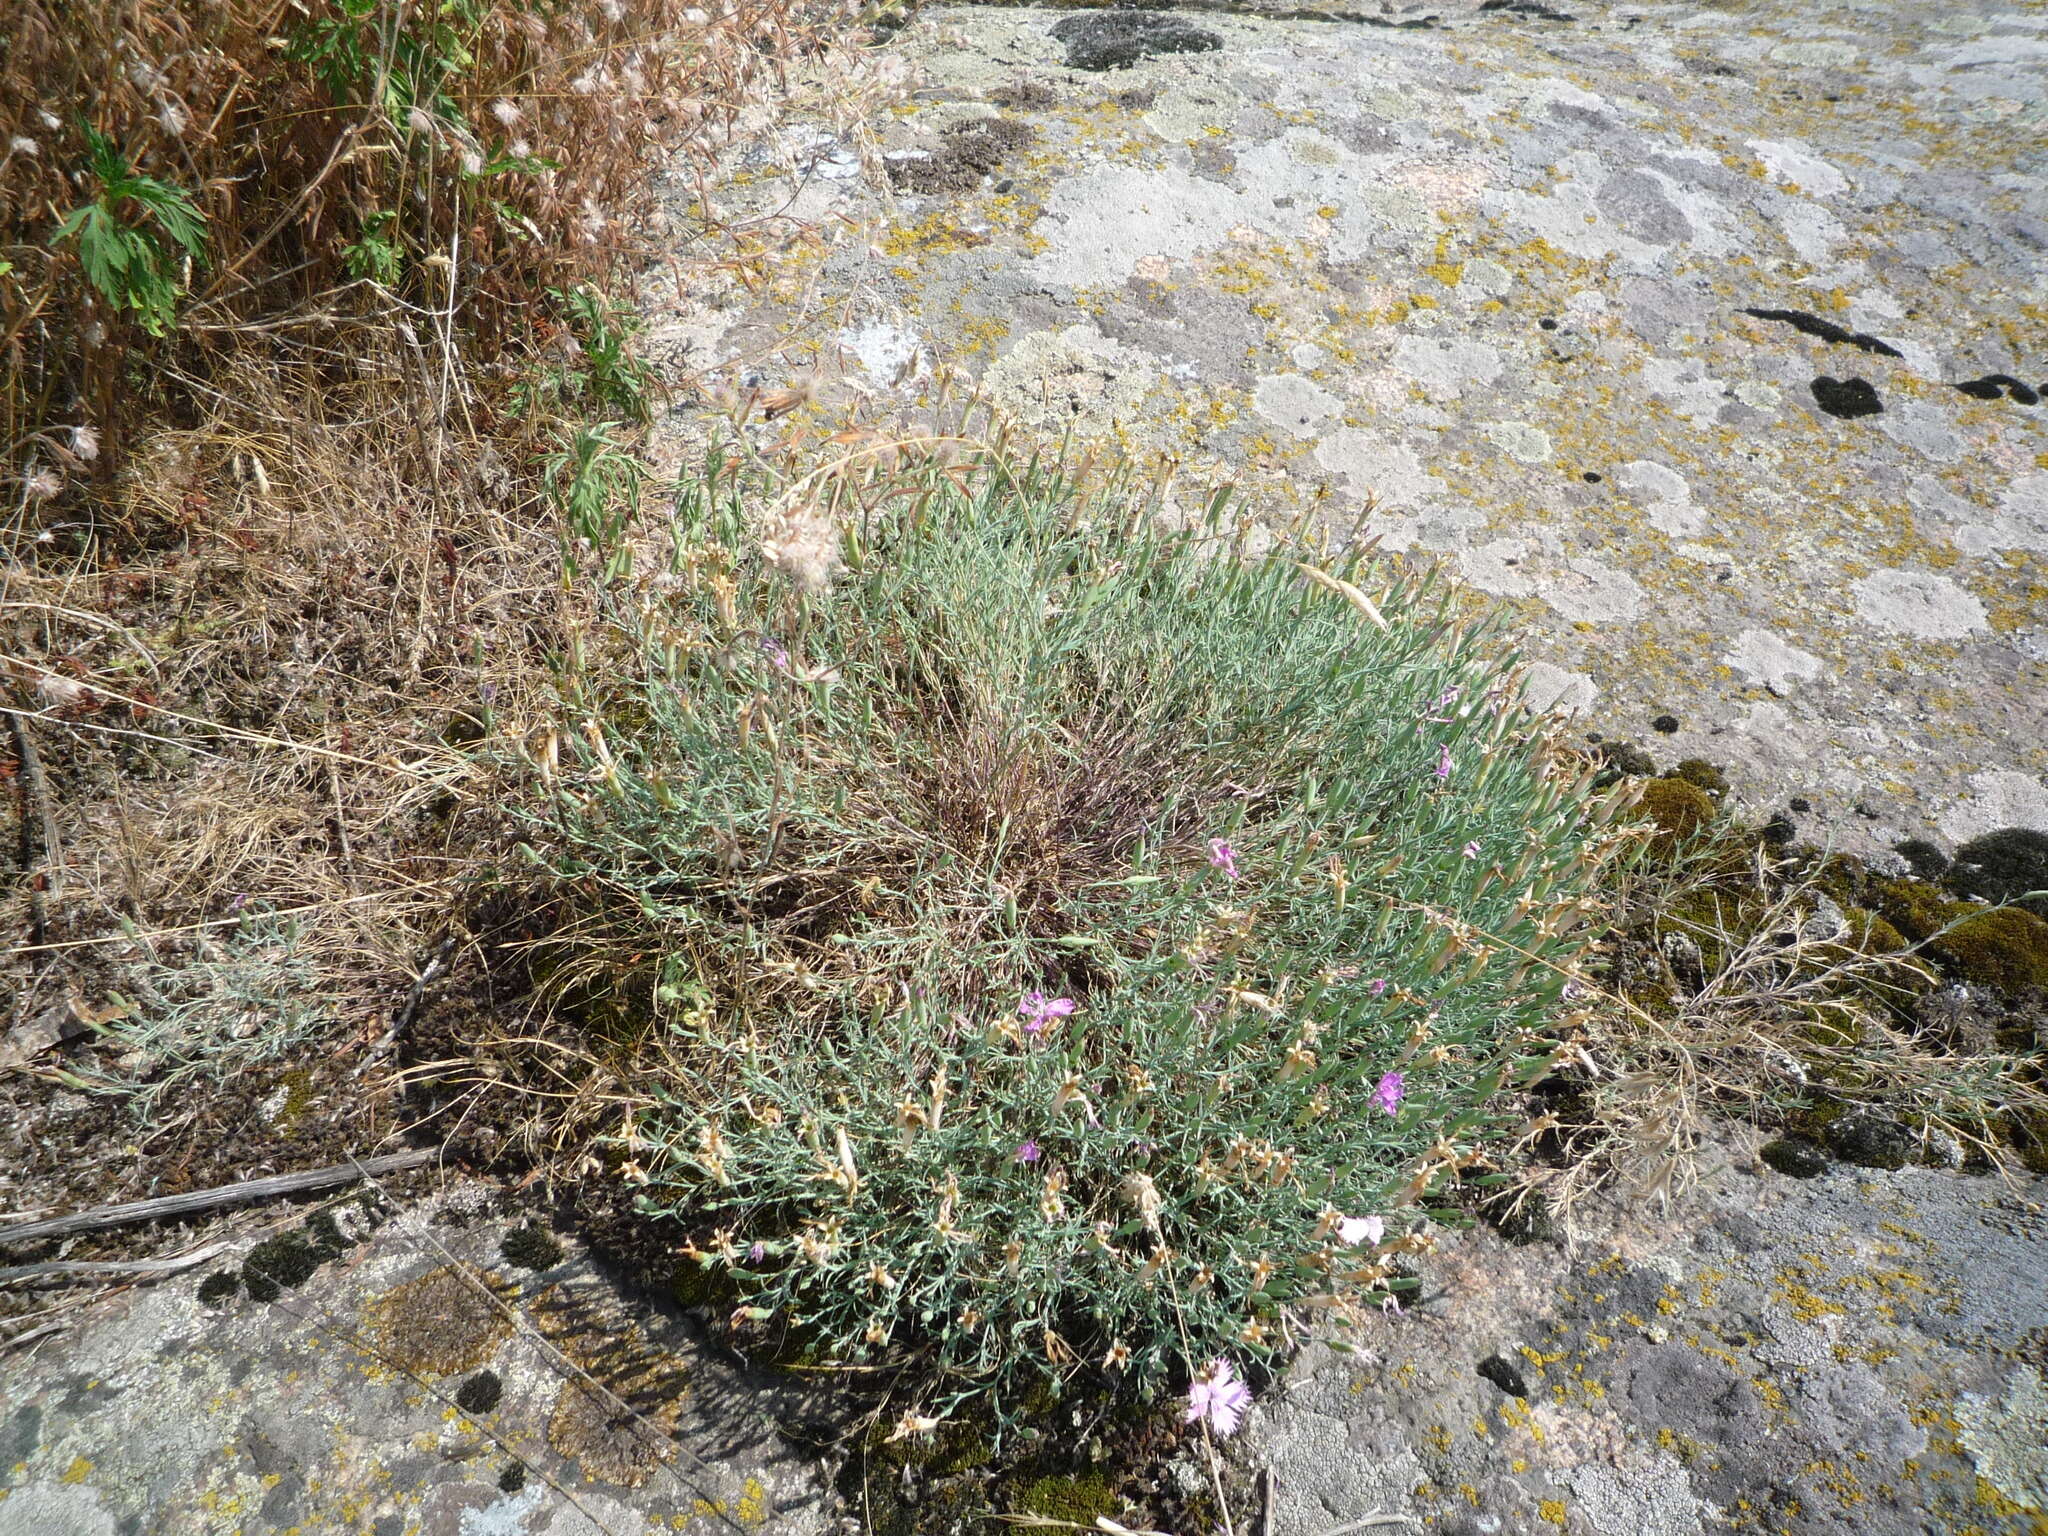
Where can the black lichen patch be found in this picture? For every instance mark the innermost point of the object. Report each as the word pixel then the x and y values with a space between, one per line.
pixel 1870 1141
pixel 1620 760
pixel 1993 385
pixel 1779 831
pixel 1925 859
pixel 1665 725
pixel 1505 1374
pixel 971 151
pixel 1795 1157
pixel 1846 398
pixel 529 1247
pixel 2007 865
pixel 1826 330
pixel 284 1262
pixel 220 1288
pixel 1102 40
pixel 1527 9
pixel 479 1394
pixel 513 1478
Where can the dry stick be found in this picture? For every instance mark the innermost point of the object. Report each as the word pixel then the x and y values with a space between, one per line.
pixel 70 1272
pixel 107 1216
pixel 35 790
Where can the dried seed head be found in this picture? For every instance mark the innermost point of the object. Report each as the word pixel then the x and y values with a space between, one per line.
pixel 1142 1196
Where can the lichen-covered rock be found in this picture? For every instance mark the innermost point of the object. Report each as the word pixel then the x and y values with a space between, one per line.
pixel 1681 331
pixel 341 1404
pixel 1819 1357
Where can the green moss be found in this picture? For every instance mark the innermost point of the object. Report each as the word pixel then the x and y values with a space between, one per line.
pixel 1872 934
pixel 2006 949
pixel 220 1287
pixel 1913 907
pixel 1702 774
pixel 1079 1500
pixel 1680 811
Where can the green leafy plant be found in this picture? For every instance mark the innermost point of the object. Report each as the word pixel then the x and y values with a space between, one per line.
pixel 373 256
pixel 133 236
pixel 603 374
pixel 1068 940
pixel 596 492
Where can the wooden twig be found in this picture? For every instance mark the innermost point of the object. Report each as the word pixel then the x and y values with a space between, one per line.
pixel 67 1272
pixel 35 791
pixel 135 1211
pixel 433 971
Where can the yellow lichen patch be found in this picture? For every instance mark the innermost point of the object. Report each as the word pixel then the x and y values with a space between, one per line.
pixel 448 1320
pixel 79 1470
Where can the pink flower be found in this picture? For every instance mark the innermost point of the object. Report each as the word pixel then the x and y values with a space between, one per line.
pixel 1353 1230
pixel 1472 850
pixel 1443 763
pixel 1039 1010
pixel 1223 856
pixel 1218 1398
pixel 1388 1094
pixel 1028 1151
pixel 1377 986
pixel 1390 1304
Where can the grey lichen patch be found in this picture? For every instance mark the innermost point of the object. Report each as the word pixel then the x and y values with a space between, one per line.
pixel 2008 1438
pixel 449 1320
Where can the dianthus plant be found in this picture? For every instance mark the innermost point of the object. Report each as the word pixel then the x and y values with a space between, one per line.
pixel 1074 943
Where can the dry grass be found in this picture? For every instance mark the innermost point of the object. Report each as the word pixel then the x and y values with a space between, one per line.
pixel 1733 988
pixel 264 576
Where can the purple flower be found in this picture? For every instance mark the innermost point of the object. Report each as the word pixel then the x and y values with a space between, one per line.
pixel 757 1253
pixel 1029 1151
pixel 1388 1094
pixel 1443 763
pixel 1039 1010
pixel 1218 1398
pixel 1432 711
pixel 1377 986
pixel 775 653
pixel 1390 1304
pixel 1223 856
pixel 1472 849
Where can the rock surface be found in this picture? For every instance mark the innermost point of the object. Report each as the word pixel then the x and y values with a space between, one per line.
pixel 1846 1354
pixel 1676 328
pixel 338 1404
